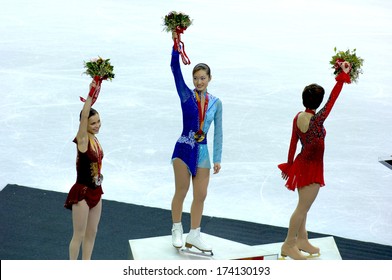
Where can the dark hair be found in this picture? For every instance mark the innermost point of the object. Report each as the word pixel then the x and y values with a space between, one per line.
pixel 92 113
pixel 202 66
pixel 312 96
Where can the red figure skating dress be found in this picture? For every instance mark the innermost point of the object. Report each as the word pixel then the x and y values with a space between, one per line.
pixel 88 178
pixel 308 166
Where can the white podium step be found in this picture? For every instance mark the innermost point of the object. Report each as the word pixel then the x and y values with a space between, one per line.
pixel 160 248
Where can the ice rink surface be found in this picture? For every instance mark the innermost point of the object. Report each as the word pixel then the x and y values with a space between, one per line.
pixel 262 54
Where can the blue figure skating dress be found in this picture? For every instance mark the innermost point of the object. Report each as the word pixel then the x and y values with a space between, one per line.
pixel 195 154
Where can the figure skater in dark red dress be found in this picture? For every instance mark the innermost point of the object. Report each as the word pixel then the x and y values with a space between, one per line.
pixel 84 198
pixel 306 173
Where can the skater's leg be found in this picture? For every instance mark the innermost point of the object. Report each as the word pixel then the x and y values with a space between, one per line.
pixel 79 221
pixel 91 230
pixel 182 182
pixel 200 185
pixel 307 195
pixel 303 242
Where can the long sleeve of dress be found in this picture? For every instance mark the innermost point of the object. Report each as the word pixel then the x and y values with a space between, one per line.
pixel 293 143
pixel 285 167
pixel 322 115
pixel 218 133
pixel 182 89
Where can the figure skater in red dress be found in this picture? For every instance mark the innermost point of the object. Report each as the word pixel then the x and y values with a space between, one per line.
pixel 84 198
pixel 306 173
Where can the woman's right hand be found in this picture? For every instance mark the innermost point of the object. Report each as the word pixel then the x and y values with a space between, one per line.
pixel 346 67
pixel 344 76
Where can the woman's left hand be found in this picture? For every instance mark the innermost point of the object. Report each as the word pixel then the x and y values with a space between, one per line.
pixel 217 168
pixel 174 36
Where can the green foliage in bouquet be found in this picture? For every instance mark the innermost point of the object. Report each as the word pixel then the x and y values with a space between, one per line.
pixel 99 67
pixel 351 57
pixel 174 20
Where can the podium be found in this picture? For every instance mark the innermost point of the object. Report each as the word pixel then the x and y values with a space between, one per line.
pixel 160 248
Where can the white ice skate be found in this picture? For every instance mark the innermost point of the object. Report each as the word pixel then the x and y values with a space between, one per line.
pixel 194 239
pixel 177 235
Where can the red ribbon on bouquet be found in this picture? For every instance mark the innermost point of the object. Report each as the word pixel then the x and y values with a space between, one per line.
pixel 179 45
pixel 94 91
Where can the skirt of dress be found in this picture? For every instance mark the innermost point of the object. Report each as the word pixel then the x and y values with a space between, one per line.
pixel 303 173
pixel 78 192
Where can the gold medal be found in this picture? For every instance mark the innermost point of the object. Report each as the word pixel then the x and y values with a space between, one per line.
pixel 98 180
pixel 199 136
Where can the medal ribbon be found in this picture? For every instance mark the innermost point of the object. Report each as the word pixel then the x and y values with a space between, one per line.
pixel 202 115
pixel 99 155
pixel 180 46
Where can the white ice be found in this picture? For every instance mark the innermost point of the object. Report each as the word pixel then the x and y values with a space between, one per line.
pixel 262 54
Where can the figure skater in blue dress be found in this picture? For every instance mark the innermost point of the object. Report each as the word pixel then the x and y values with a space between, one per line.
pixel 191 158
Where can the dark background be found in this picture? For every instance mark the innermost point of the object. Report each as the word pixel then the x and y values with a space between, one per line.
pixel 36 226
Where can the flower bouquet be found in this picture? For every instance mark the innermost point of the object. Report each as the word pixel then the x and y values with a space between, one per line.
pixel 350 57
pixel 99 69
pixel 178 22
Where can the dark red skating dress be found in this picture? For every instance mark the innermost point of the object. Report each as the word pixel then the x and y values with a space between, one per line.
pixel 308 166
pixel 89 178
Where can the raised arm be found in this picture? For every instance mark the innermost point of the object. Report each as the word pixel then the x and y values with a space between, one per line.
pixel 82 135
pixel 342 78
pixel 183 91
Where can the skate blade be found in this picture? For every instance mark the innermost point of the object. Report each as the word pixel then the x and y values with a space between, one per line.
pixel 312 256
pixel 285 258
pixel 189 246
pixel 201 254
pixel 282 258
